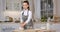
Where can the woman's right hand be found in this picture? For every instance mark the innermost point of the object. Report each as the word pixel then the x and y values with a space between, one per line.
pixel 22 24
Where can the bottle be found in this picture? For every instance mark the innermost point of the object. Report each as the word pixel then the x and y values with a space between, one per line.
pixel 48 23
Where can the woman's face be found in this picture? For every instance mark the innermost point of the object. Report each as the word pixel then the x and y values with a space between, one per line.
pixel 25 6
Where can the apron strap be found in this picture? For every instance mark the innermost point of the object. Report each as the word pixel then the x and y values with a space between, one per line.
pixel 27 13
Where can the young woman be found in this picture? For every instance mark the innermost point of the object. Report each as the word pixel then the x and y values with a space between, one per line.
pixel 26 16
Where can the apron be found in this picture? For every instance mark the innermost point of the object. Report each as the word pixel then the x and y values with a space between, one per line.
pixel 29 25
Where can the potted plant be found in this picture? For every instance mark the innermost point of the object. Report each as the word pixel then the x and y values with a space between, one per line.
pixel 43 19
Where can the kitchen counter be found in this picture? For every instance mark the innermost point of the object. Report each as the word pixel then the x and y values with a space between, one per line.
pixel 9 27
pixel 34 30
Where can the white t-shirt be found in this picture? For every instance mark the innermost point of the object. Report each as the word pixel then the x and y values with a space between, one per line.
pixel 25 13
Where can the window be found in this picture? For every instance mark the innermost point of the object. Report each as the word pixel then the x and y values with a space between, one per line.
pixel 13 4
pixel 47 8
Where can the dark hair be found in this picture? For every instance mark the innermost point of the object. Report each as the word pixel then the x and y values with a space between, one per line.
pixel 27 3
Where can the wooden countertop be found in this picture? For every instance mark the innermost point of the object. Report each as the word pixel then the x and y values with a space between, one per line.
pixel 34 30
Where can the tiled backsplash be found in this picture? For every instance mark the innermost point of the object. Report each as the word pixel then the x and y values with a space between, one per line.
pixel 13 14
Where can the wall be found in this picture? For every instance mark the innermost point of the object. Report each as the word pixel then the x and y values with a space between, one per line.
pixel 37 6
pixel 56 7
pixel 1 10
